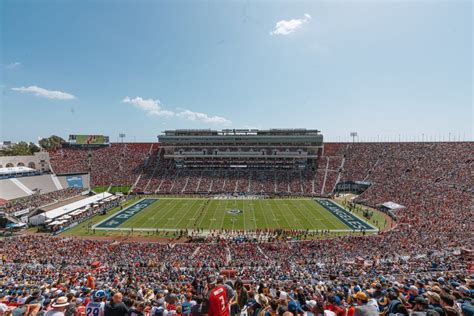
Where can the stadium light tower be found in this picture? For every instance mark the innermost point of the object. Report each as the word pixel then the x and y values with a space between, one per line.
pixel 122 136
pixel 353 135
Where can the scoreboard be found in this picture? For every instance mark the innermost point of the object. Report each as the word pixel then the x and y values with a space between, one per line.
pixel 85 140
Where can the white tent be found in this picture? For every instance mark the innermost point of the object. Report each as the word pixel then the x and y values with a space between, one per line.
pixel 66 209
pixel 393 206
pixel 80 211
pixel 57 223
pixel 16 170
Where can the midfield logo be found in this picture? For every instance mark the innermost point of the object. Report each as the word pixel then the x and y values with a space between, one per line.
pixel 234 211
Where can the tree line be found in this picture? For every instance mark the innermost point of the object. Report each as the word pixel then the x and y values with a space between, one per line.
pixel 28 148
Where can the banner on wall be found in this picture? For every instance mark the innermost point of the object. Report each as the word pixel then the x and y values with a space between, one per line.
pixel 74 181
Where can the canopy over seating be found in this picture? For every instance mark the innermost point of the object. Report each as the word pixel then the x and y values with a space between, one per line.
pixel 392 206
pixel 66 209
pixel 16 170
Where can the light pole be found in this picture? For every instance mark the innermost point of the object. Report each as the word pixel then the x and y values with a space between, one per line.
pixel 353 135
pixel 122 136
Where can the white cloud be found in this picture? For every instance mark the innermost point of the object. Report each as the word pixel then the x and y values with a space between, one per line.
pixel 41 92
pixel 203 117
pixel 285 27
pixel 155 108
pixel 150 106
pixel 13 65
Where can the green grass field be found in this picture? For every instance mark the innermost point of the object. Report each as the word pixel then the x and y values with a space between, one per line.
pixel 187 213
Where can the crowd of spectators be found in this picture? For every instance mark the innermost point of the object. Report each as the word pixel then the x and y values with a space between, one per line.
pixel 379 163
pixel 449 164
pixel 37 199
pixel 117 164
pixel 69 160
pixel 147 177
pixel 298 277
pixel 423 266
pixel 429 179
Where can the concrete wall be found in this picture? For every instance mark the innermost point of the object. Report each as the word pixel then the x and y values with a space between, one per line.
pixel 39 161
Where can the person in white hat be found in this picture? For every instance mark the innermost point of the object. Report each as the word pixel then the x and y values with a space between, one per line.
pixel 59 306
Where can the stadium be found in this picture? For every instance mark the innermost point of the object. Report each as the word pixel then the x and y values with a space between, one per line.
pixel 239 194
pixel 198 181
pixel 236 158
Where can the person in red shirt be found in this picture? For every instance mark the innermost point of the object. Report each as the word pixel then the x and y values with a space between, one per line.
pixel 218 297
pixel 80 307
pixel 339 311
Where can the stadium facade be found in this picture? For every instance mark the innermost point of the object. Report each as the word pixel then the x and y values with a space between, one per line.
pixel 242 148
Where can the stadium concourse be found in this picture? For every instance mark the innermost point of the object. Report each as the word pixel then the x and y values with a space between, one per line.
pixel 423 266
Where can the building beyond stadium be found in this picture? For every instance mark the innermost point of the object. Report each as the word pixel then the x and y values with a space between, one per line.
pixel 242 148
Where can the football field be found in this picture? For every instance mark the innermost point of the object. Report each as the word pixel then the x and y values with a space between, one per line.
pixel 168 214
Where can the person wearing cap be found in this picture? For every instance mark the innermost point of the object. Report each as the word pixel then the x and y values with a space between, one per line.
pixel 422 306
pixel 412 293
pixel 80 308
pixel 434 301
pixel 293 307
pixel 362 308
pixel 436 289
pixel 282 300
pixel 395 305
pixel 218 297
pixel 333 307
pixel 448 305
pixel 464 291
pixel 59 307
pixel 314 308
pixel 260 305
pixel 420 286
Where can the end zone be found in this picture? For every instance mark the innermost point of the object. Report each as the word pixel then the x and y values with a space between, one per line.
pixel 352 221
pixel 121 217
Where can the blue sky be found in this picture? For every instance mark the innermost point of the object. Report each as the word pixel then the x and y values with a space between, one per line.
pixel 381 68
